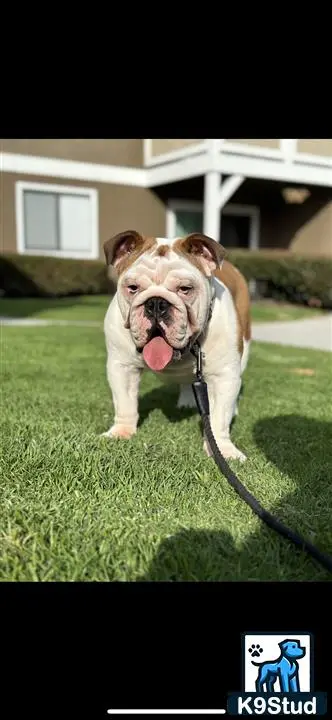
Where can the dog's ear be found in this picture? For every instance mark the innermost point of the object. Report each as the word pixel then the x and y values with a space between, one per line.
pixel 283 644
pixel 203 249
pixel 121 246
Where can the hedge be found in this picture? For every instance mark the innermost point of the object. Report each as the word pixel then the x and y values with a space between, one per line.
pixel 285 276
pixel 278 274
pixel 36 276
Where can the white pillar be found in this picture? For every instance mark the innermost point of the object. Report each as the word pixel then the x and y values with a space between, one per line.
pixel 228 188
pixel 212 183
pixel 211 218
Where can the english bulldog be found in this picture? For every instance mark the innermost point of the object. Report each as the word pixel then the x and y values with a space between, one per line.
pixel 169 294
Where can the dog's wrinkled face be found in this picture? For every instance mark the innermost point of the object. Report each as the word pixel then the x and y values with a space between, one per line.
pixel 164 290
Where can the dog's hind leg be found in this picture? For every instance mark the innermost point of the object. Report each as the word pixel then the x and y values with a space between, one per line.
pixel 270 684
pixel 186 398
pixel 263 677
pixel 260 682
pixel 245 355
pixel 259 686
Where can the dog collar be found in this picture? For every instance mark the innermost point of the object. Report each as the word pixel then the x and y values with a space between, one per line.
pixel 195 340
pixel 211 304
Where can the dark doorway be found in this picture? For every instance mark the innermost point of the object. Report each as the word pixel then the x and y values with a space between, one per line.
pixel 234 231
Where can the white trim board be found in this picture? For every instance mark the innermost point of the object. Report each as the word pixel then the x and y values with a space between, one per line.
pixel 307 169
pixel 275 170
pixel 285 152
pixel 258 151
pixel 307 159
pixel 250 167
pixel 147 151
pixel 188 167
pixel 113 174
pixel 72 170
pixel 303 169
pixel 90 193
pixel 251 211
pixel 180 153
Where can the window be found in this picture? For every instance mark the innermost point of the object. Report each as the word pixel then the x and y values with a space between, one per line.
pixel 57 220
pixel 239 226
pixel 188 221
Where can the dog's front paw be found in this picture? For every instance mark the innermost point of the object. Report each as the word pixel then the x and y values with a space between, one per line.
pixel 120 431
pixel 227 449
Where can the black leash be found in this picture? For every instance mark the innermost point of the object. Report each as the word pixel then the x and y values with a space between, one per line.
pixel 202 400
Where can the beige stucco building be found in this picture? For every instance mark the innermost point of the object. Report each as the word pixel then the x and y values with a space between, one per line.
pixel 66 197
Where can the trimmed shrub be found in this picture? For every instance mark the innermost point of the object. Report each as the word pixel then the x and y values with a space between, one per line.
pixel 278 274
pixel 36 276
pixel 285 276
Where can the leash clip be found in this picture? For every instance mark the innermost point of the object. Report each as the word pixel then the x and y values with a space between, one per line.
pixel 199 385
pixel 197 352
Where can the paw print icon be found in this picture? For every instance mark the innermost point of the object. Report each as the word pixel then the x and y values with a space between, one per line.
pixel 255 650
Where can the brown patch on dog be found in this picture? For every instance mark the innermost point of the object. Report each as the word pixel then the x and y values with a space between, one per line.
pixel 238 287
pixel 240 343
pixel 204 253
pixel 162 250
pixel 201 250
pixel 125 248
pixel 148 244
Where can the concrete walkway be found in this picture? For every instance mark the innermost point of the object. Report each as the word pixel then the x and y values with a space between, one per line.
pixel 315 333
pixel 21 322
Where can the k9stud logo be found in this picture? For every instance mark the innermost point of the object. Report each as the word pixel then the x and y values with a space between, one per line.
pixel 277 676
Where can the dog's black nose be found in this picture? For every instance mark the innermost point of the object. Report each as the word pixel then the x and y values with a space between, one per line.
pixel 157 308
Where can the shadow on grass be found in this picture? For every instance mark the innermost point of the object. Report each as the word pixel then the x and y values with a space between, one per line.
pixel 300 447
pixel 30 306
pixel 165 399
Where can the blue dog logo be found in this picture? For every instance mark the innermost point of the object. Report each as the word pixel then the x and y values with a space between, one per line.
pixel 285 669
pixel 281 686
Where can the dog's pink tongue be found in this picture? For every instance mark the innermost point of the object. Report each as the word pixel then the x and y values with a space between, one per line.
pixel 157 353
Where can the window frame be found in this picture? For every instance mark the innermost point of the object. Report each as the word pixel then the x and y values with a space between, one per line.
pixel 90 193
pixel 250 211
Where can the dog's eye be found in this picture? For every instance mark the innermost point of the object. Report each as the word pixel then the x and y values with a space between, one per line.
pixel 185 289
pixel 132 288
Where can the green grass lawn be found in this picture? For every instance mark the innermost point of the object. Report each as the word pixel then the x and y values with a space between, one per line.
pixel 93 308
pixel 77 507
pixel 270 311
